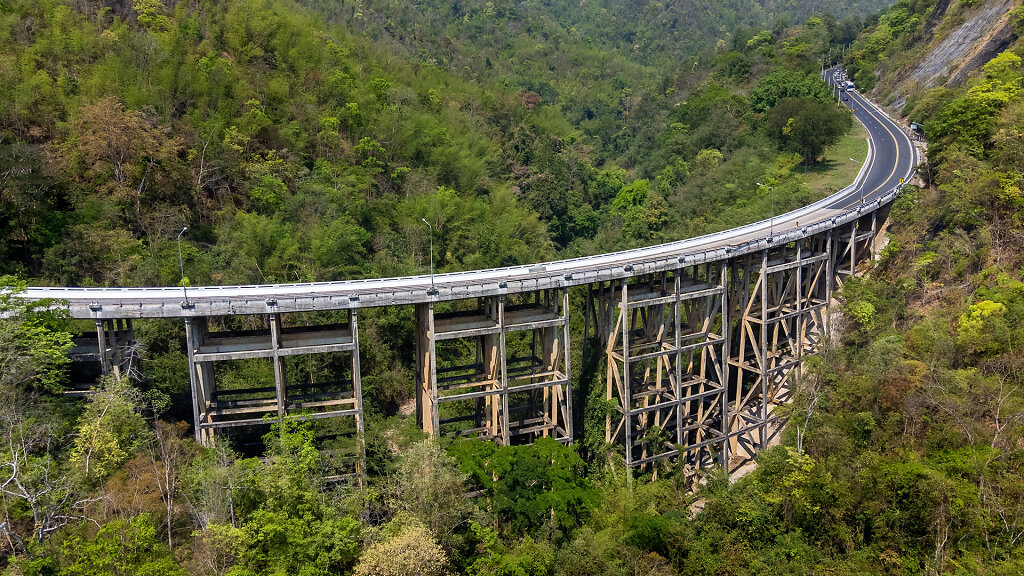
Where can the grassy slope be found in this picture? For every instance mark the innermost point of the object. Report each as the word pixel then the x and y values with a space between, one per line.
pixel 840 165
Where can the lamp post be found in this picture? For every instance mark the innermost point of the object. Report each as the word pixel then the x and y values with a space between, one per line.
pixel 861 185
pixel 771 221
pixel 181 265
pixel 432 290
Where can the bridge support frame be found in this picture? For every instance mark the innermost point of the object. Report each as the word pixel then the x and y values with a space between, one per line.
pixel 215 409
pixel 116 347
pixel 782 297
pixel 666 345
pixel 503 366
pixel 854 243
pixel 698 357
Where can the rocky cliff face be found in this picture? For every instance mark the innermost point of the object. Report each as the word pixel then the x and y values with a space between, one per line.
pixel 967 46
pixel 952 40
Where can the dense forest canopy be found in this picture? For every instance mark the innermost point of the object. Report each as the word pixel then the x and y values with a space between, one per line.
pixel 305 141
pixel 299 149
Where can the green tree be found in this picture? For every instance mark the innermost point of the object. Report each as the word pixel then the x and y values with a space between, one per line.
pixel 708 160
pixel 982 330
pixel 34 341
pixel 151 14
pixel 971 118
pixel 525 557
pixel 808 127
pixel 120 548
pixel 123 152
pixel 429 486
pixel 781 84
pixel 406 548
pixel 530 487
pixel 111 429
pixel 288 527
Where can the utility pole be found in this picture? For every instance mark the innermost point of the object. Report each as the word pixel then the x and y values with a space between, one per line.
pixel 771 220
pixel 432 290
pixel 181 265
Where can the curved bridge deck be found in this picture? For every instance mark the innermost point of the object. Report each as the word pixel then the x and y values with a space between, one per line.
pixel 701 338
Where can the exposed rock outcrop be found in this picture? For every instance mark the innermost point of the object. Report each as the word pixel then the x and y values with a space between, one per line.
pixel 967 47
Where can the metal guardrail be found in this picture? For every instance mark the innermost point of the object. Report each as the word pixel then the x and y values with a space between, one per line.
pixel 101 303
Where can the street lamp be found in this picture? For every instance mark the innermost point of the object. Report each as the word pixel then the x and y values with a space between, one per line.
pixel 181 265
pixel 432 290
pixel 861 185
pixel 771 221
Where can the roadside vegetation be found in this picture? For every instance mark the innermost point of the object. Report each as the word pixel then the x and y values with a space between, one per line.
pixel 297 146
pixel 840 164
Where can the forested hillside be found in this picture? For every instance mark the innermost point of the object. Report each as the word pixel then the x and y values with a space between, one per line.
pixel 299 150
pixel 306 141
pixel 914 431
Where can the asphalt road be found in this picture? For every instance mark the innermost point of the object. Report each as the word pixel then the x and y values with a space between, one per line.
pixel 891 159
pixel 893 152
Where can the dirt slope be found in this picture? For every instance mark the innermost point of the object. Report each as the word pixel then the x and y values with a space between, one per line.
pixel 954 43
pixel 971 42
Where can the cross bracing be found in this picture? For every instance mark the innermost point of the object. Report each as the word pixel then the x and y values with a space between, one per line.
pixel 702 338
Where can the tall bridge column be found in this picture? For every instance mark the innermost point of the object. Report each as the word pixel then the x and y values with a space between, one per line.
pixel 666 364
pixel 201 380
pixel 703 364
pixel 814 295
pixel 783 300
pixel 746 361
pixel 109 350
pixel 538 365
pixel 116 340
pixel 856 243
pixel 460 373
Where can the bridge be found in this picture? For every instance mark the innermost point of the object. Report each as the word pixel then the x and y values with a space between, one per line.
pixel 701 338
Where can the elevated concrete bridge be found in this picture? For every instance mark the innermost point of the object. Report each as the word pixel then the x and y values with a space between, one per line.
pixel 700 337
